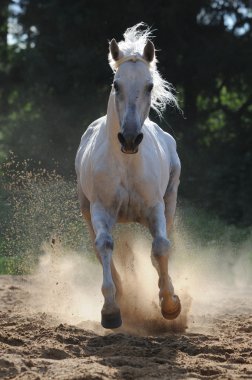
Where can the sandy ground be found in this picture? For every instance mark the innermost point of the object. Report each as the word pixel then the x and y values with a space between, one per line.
pixel 50 321
pixel 38 345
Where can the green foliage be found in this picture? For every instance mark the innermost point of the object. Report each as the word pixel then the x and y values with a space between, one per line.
pixel 42 205
pixel 17 265
pixel 207 229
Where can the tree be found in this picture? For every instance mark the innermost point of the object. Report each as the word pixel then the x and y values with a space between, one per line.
pixel 58 81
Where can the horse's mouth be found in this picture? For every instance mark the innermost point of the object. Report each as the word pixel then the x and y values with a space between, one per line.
pixel 129 151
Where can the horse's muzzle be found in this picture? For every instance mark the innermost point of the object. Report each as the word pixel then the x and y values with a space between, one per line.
pixel 129 143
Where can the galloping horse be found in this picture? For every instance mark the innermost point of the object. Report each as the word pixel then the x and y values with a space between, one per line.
pixel 128 168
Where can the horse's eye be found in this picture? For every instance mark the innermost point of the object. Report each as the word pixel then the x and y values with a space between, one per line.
pixel 116 86
pixel 149 87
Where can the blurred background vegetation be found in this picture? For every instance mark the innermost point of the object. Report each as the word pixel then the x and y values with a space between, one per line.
pixel 55 80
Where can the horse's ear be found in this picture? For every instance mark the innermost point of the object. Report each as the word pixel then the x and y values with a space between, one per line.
pixel 149 51
pixel 114 50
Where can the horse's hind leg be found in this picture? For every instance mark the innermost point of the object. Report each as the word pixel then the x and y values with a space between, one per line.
pixel 170 197
pixel 170 304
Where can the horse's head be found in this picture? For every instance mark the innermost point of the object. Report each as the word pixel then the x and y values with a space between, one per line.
pixel 132 89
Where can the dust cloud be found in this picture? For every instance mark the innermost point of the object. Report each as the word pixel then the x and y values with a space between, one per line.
pixel 65 277
pixel 66 285
pixel 213 275
pixel 208 282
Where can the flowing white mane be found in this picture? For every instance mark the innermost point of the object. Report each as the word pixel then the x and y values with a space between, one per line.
pixel 135 39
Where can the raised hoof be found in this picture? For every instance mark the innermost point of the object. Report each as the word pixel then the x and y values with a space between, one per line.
pixel 174 306
pixel 111 321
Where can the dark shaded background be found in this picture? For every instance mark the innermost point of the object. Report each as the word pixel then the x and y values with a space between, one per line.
pixel 55 80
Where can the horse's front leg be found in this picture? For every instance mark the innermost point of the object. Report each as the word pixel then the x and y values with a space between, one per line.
pixel 170 304
pixel 102 222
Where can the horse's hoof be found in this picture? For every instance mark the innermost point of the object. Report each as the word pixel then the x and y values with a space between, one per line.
pixel 173 310
pixel 111 321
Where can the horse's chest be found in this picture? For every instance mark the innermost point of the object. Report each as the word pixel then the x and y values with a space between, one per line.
pixel 129 204
pixel 129 193
pixel 133 200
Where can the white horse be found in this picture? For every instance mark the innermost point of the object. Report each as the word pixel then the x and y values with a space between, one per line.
pixel 128 168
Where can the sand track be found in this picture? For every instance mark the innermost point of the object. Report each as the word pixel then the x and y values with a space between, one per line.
pixel 37 345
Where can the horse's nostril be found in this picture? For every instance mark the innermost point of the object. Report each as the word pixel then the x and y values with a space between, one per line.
pixel 138 139
pixel 129 142
pixel 121 138
pixel 130 139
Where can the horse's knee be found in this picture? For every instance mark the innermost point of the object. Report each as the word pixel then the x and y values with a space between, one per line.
pixel 160 246
pixel 104 242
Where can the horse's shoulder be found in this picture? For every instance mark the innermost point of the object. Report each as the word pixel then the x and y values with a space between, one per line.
pixel 92 128
pixel 87 140
pixel 172 146
pixel 170 143
pixel 169 140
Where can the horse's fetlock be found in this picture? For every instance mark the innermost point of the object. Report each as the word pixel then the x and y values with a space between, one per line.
pixel 109 291
pixel 160 246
